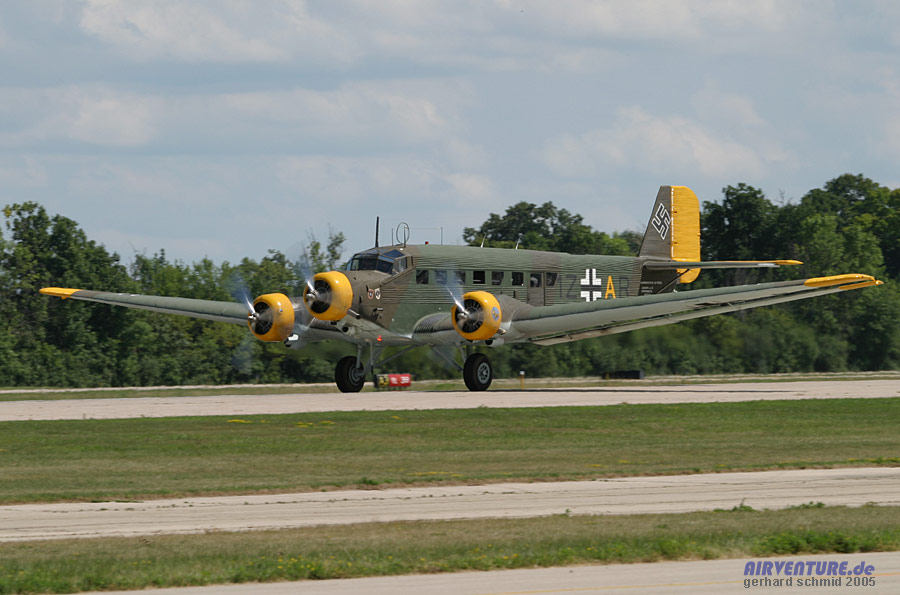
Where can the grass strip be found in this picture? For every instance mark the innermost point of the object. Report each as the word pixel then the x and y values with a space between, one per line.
pixel 440 546
pixel 174 457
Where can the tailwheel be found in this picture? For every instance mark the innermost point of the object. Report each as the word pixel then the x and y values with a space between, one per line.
pixel 478 372
pixel 349 375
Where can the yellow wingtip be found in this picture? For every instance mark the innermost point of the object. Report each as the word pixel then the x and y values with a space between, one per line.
pixel 840 280
pixel 60 292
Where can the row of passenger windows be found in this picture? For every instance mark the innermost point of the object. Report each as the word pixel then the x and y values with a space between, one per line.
pixel 497 278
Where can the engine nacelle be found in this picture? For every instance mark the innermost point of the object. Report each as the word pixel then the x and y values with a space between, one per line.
pixel 329 297
pixel 272 318
pixel 479 318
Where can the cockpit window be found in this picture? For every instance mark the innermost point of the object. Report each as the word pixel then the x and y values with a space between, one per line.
pixel 390 262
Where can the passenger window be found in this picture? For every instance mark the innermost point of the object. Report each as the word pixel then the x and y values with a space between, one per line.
pixel 497 278
pixel 535 279
pixel 460 277
pixel 422 276
pixel 551 279
pixel 518 279
pixel 440 277
pixel 478 277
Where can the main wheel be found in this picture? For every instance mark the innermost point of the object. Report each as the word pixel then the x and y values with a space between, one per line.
pixel 477 372
pixel 349 375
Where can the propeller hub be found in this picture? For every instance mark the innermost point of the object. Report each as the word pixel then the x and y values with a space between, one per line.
pixel 272 317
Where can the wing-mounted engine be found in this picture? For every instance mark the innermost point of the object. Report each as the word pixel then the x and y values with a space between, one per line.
pixel 328 296
pixel 478 317
pixel 272 318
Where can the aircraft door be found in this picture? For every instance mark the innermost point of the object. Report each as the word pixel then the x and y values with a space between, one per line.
pixel 536 289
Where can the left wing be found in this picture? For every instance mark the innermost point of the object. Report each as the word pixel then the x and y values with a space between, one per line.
pixel 548 325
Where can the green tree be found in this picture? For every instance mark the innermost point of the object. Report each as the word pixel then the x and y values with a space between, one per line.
pixel 324 260
pixel 545 227
pixel 56 345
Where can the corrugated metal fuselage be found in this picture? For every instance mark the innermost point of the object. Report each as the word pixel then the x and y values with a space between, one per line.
pixel 430 276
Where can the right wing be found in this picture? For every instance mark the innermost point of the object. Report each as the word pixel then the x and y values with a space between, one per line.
pixel 206 309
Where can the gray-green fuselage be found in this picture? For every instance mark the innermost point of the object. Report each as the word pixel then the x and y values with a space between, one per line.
pixel 399 287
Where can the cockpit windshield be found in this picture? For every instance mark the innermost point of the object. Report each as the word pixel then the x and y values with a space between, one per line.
pixel 389 262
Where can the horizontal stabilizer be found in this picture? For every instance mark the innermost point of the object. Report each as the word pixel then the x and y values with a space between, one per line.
pixel 717 264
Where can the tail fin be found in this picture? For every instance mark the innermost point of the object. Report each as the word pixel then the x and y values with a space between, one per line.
pixel 673 233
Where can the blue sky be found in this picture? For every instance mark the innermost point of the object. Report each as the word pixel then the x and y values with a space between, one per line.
pixel 225 129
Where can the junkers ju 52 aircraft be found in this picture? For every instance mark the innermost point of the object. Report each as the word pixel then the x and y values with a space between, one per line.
pixel 464 296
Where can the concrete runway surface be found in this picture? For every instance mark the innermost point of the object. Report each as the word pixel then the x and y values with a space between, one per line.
pixel 381 401
pixel 661 578
pixel 626 495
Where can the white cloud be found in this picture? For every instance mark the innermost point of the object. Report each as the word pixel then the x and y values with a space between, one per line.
pixel 390 111
pixel 357 116
pixel 653 143
pixel 113 120
pixel 728 108
pixel 889 134
pixel 505 35
pixel 403 179
pixel 233 31
pixel 19 172
pixel 672 21
pixel 97 115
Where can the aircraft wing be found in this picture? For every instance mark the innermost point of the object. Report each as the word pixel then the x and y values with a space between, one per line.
pixel 549 325
pixel 235 313
pixel 206 309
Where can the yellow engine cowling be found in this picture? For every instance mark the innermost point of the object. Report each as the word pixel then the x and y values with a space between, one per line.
pixel 272 318
pixel 480 316
pixel 329 297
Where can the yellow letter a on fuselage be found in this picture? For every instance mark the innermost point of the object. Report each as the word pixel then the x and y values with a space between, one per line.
pixel 610 288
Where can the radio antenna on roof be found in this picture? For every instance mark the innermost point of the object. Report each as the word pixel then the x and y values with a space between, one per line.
pixel 377 221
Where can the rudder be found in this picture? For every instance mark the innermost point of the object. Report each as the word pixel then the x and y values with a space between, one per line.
pixel 673 233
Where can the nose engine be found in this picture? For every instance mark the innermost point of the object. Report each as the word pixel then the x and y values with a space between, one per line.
pixel 272 318
pixel 479 317
pixel 328 296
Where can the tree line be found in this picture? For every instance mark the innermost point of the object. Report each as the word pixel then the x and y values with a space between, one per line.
pixel 851 224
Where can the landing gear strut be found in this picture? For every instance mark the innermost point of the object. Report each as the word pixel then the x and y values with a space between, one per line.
pixel 350 372
pixel 477 372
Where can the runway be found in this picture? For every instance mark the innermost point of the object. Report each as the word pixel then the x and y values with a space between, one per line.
pixel 627 495
pixel 381 401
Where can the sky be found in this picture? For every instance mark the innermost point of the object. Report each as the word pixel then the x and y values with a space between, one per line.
pixel 225 129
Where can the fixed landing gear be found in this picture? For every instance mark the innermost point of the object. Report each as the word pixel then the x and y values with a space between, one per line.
pixel 477 372
pixel 349 374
